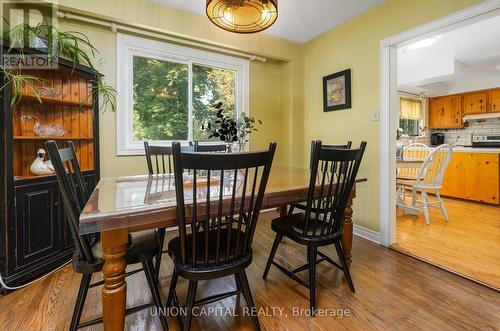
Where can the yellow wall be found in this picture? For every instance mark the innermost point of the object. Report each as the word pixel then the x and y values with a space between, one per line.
pixel 268 100
pixel 285 94
pixel 356 45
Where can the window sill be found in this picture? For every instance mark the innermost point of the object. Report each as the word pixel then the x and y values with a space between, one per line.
pixel 137 148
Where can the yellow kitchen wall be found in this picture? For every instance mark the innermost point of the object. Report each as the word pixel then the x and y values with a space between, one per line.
pixel 268 100
pixel 356 45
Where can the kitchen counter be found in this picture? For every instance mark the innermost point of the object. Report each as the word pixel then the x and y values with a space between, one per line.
pixel 482 150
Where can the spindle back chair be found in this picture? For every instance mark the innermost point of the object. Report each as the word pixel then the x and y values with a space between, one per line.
pixel 160 162
pixel 219 197
pixel 413 152
pixel 159 158
pixel 74 193
pixel 429 179
pixel 88 258
pixel 333 174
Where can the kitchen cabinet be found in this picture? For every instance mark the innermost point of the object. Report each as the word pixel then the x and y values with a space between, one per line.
pixel 473 176
pixel 475 103
pixel 494 101
pixel 445 112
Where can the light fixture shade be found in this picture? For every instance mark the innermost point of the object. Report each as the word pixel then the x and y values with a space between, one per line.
pixel 243 16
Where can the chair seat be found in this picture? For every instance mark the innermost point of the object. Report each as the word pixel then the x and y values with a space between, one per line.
pixel 292 226
pixel 143 245
pixel 406 182
pixel 404 177
pixel 174 249
pixel 413 184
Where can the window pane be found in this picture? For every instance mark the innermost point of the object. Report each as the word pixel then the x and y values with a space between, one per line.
pixel 160 100
pixel 209 86
pixel 410 127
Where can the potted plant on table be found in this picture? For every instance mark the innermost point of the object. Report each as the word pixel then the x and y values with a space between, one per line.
pixel 234 133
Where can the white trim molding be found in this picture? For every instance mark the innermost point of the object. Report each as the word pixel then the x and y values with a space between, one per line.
pixel 388 101
pixel 367 234
pixel 130 46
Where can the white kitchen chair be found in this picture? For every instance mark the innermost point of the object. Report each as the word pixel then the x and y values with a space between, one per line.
pixel 429 179
pixel 413 152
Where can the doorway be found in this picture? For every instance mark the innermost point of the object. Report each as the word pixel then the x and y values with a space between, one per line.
pixel 441 76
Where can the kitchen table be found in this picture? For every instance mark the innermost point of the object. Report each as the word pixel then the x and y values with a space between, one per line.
pixel 121 205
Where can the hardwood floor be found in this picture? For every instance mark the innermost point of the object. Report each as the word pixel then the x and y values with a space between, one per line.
pixel 393 291
pixel 469 244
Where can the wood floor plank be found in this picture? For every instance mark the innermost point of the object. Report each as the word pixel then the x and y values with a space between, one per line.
pixel 393 292
pixel 469 244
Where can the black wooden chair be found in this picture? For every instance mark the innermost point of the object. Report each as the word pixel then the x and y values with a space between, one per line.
pixel 87 260
pixel 160 162
pixel 223 185
pixel 159 158
pixel 210 148
pixel 302 206
pixel 337 170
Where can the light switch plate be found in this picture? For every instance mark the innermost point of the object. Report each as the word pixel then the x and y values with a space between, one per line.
pixel 376 116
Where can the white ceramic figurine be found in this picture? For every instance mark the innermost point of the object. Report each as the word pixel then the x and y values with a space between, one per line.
pixel 39 167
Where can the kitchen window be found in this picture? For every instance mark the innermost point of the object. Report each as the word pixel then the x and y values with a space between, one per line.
pixel 411 117
pixel 165 92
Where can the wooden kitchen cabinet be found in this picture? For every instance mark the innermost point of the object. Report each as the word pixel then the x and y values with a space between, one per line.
pixel 445 112
pixel 494 101
pixel 475 103
pixel 473 176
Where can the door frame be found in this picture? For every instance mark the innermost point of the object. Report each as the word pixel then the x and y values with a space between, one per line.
pixel 389 102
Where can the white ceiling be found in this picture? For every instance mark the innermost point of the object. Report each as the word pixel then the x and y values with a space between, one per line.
pixel 298 20
pixel 461 60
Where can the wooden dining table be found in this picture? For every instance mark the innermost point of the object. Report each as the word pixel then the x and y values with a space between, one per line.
pixel 122 205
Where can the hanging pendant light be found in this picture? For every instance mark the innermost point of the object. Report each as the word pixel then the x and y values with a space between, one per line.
pixel 243 16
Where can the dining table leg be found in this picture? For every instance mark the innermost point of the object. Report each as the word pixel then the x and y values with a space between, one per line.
pixel 347 227
pixel 114 293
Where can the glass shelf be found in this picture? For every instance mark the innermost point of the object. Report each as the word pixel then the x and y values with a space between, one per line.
pixel 49 100
pixel 51 138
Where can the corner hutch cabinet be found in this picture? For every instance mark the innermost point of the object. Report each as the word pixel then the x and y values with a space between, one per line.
pixel 35 238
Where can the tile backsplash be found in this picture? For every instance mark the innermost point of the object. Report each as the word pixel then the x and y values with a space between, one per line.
pixel 464 136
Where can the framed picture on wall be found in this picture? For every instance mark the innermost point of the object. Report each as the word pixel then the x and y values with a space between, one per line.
pixel 337 91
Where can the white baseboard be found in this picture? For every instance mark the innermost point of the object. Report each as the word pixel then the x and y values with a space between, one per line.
pixel 367 234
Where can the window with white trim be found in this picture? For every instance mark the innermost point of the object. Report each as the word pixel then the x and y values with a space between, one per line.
pixel 411 116
pixel 165 91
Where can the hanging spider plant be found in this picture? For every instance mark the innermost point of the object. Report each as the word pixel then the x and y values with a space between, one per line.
pixel 17 82
pixel 71 45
